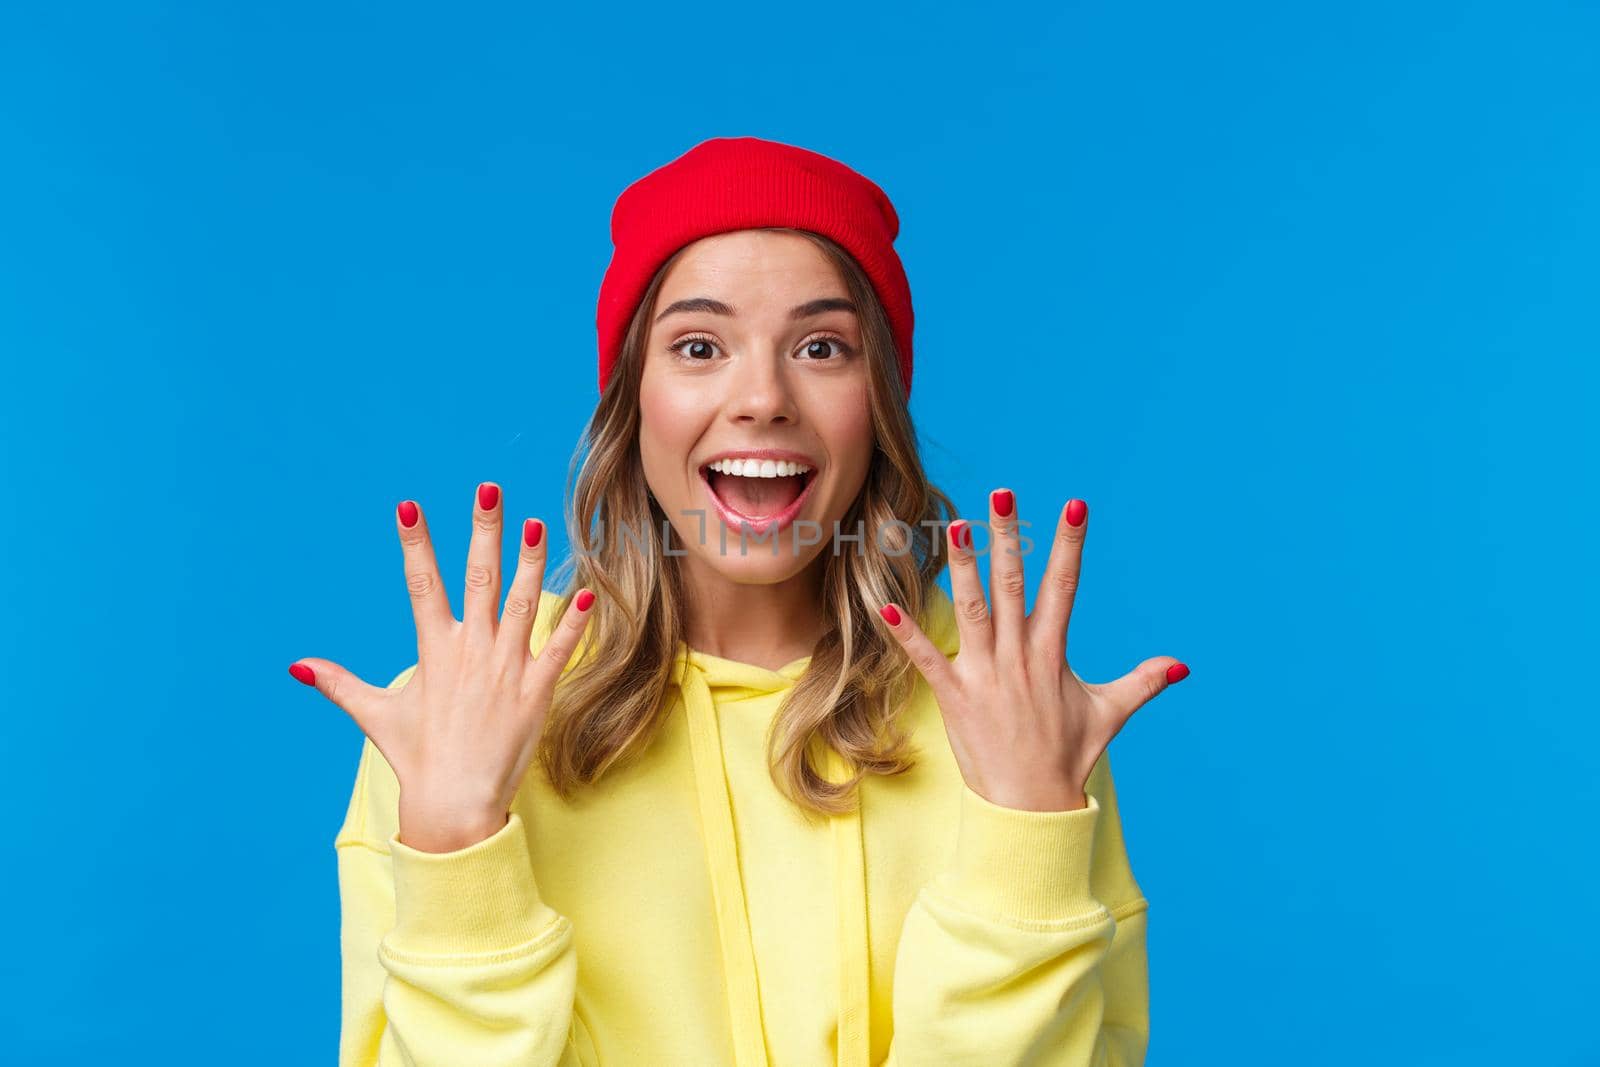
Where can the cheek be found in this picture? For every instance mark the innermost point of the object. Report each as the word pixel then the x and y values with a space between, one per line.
pixel 852 420
pixel 849 434
pixel 667 428
pixel 669 404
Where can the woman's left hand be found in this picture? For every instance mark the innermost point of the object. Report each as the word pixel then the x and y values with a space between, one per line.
pixel 1025 729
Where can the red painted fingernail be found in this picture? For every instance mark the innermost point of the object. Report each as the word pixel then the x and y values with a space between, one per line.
pixel 488 496
pixel 1076 509
pixel 302 673
pixel 408 514
pixel 961 533
pixel 891 614
pixel 1177 673
pixel 585 598
pixel 532 532
pixel 1003 501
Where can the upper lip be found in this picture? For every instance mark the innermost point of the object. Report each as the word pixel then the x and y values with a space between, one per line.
pixel 774 454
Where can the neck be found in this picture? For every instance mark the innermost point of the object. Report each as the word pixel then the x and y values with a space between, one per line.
pixel 768 625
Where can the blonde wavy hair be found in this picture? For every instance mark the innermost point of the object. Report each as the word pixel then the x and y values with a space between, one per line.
pixel 610 702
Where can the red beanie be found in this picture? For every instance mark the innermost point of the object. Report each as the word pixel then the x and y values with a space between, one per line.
pixel 740 183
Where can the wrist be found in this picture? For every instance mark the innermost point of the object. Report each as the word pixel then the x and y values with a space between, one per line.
pixel 1036 798
pixel 1033 793
pixel 446 827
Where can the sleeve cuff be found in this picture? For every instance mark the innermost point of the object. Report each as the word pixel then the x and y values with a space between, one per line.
pixel 477 899
pixel 1030 865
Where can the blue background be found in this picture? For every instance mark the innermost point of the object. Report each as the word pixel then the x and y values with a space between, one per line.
pixel 1302 301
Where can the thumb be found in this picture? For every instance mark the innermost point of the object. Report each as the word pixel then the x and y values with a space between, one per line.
pixel 356 698
pixel 1142 684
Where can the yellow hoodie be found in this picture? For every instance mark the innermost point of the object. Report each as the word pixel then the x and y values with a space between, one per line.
pixel 683 912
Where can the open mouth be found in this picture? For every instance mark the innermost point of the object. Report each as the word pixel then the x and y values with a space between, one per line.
pixel 762 493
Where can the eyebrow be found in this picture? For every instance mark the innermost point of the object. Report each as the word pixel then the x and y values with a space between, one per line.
pixel 717 307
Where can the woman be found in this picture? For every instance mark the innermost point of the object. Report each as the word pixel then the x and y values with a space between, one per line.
pixel 775 817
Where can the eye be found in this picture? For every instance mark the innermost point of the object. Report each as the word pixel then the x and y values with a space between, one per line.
pixel 693 349
pixel 818 347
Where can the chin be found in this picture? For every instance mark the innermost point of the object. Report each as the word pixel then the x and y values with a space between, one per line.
pixel 758 565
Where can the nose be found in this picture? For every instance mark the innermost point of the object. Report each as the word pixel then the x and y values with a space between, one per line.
pixel 760 392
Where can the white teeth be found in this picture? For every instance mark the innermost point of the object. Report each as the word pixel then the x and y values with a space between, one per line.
pixel 759 468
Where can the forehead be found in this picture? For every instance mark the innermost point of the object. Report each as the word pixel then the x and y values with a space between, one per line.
pixel 754 264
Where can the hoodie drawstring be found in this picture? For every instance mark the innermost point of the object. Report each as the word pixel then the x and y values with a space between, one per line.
pixel 727 888
pixel 850 891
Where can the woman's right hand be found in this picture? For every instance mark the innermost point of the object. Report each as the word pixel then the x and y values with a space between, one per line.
pixel 462 731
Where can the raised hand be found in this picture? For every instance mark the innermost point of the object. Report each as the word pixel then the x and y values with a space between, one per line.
pixel 1025 729
pixel 461 732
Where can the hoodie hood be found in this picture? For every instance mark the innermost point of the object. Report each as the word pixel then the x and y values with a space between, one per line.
pixel 704 681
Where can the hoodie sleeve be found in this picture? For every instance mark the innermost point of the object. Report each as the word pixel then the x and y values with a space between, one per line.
pixel 447 958
pixel 1030 947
